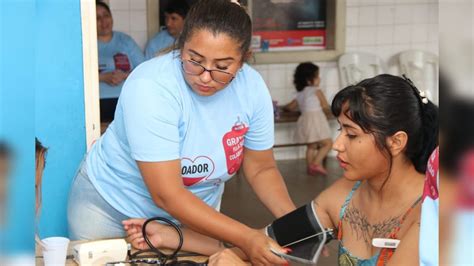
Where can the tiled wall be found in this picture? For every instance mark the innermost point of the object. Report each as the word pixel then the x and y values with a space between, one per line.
pixel 130 17
pixel 390 26
pixel 384 27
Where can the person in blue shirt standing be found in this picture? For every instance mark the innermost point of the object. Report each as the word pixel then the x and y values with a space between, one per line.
pixel 186 122
pixel 119 54
pixel 175 13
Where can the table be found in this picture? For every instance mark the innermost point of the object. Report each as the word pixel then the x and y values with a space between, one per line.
pixel 70 261
pixel 287 116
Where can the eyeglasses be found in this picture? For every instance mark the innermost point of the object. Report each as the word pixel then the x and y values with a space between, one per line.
pixel 194 68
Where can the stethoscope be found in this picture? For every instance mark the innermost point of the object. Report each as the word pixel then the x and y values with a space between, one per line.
pixel 155 256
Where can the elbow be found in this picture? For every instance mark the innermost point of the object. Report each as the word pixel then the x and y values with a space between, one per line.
pixel 253 178
pixel 160 201
pixel 165 200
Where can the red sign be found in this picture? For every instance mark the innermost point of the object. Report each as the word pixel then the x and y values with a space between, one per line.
pixel 280 25
pixel 290 39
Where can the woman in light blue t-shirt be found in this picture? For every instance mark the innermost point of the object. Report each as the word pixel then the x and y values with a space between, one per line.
pixel 118 54
pixel 185 123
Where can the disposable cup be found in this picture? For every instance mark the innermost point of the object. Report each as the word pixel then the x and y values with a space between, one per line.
pixel 55 251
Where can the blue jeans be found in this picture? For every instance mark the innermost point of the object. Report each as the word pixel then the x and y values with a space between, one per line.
pixel 89 216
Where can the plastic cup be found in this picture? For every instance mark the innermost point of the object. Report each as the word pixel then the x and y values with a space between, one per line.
pixel 55 251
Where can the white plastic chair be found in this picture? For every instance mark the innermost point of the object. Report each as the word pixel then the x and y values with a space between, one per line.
pixel 422 68
pixel 354 67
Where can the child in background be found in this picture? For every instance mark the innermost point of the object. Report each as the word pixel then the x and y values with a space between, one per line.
pixel 312 126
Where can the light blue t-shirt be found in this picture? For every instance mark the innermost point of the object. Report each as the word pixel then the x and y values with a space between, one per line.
pixel 162 40
pixel 429 224
pixel 460 250
pixel 159 118
pixel 120 49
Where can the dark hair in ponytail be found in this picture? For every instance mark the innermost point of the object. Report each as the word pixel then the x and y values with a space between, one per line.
pixel 218 16
pixel 386 104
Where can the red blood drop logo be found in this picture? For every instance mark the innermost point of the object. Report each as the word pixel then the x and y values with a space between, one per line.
pixel 233 142
pixel 121 62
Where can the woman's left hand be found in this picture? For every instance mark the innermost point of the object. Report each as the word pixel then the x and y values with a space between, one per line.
pixel 133 227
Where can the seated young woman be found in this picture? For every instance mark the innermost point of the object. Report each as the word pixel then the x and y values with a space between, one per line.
pixel 388 129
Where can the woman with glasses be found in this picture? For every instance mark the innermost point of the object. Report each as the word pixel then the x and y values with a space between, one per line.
pixel 186 122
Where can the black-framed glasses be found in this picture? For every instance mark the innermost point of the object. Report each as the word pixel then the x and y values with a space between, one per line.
pixel 194 68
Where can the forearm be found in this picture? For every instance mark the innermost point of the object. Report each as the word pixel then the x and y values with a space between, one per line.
pixel 215 225
pixel 291 107
pixel 103 77
pixel 270 188
pixel 192 241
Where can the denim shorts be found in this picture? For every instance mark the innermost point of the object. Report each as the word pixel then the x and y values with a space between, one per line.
pixel 89 216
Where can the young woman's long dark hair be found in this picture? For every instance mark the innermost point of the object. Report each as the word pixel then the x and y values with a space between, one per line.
pixel 386 104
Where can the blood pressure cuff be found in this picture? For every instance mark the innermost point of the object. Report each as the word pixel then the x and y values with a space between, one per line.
pixel 295 226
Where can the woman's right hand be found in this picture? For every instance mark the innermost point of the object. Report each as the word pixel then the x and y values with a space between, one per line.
pixel 113 78
pixel 257 248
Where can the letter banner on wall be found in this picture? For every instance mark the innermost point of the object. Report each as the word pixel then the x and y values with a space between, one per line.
pixel 288 25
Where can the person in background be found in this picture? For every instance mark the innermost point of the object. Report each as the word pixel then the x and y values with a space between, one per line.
pixel 454 204
pixel 40 163
pixel 5 161
pixel 186 122
pixel 119 54
pixel 384 151
pixel 175 13
pixel 312 126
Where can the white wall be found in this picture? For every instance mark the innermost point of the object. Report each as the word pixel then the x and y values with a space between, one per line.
pixel 384 27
